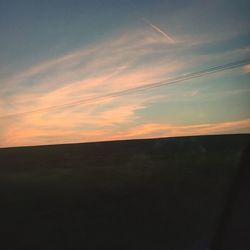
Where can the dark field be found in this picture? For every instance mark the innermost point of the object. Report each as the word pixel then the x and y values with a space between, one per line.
pixel 141 194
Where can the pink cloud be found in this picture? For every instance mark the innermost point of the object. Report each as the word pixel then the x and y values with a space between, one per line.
pixel 121 62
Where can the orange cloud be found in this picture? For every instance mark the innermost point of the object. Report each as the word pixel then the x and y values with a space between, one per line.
pixel 30 136
pixel 246 68
pixel 169 130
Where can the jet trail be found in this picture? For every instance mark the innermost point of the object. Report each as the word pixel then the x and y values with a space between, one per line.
pixel 169 38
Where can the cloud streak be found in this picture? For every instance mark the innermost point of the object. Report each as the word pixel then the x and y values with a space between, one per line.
pixel 36 136
pixel 152 130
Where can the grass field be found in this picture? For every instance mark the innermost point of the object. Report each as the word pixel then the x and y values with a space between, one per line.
pixel 140 194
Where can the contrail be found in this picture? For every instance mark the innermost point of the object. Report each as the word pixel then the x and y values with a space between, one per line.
pixel 169 38
pixel 138 89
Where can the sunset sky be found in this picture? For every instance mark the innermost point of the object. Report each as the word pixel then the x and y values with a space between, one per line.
pixel 55 52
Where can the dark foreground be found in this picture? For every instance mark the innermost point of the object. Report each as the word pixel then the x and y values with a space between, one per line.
pixel 159 194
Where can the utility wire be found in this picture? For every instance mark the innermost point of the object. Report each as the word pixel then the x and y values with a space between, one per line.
pixel 174 80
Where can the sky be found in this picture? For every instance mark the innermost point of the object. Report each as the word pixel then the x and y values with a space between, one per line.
pixel 57 52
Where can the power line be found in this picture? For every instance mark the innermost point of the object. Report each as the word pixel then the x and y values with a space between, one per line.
pixel 175 80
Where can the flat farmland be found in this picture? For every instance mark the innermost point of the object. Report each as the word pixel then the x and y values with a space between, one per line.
pixel 165 193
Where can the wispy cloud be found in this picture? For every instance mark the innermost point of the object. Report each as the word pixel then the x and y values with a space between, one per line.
pixel 108 66
pixel 129 59
pixel 119 53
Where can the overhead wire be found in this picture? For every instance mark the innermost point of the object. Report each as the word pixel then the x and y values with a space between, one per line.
pixel 175 80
